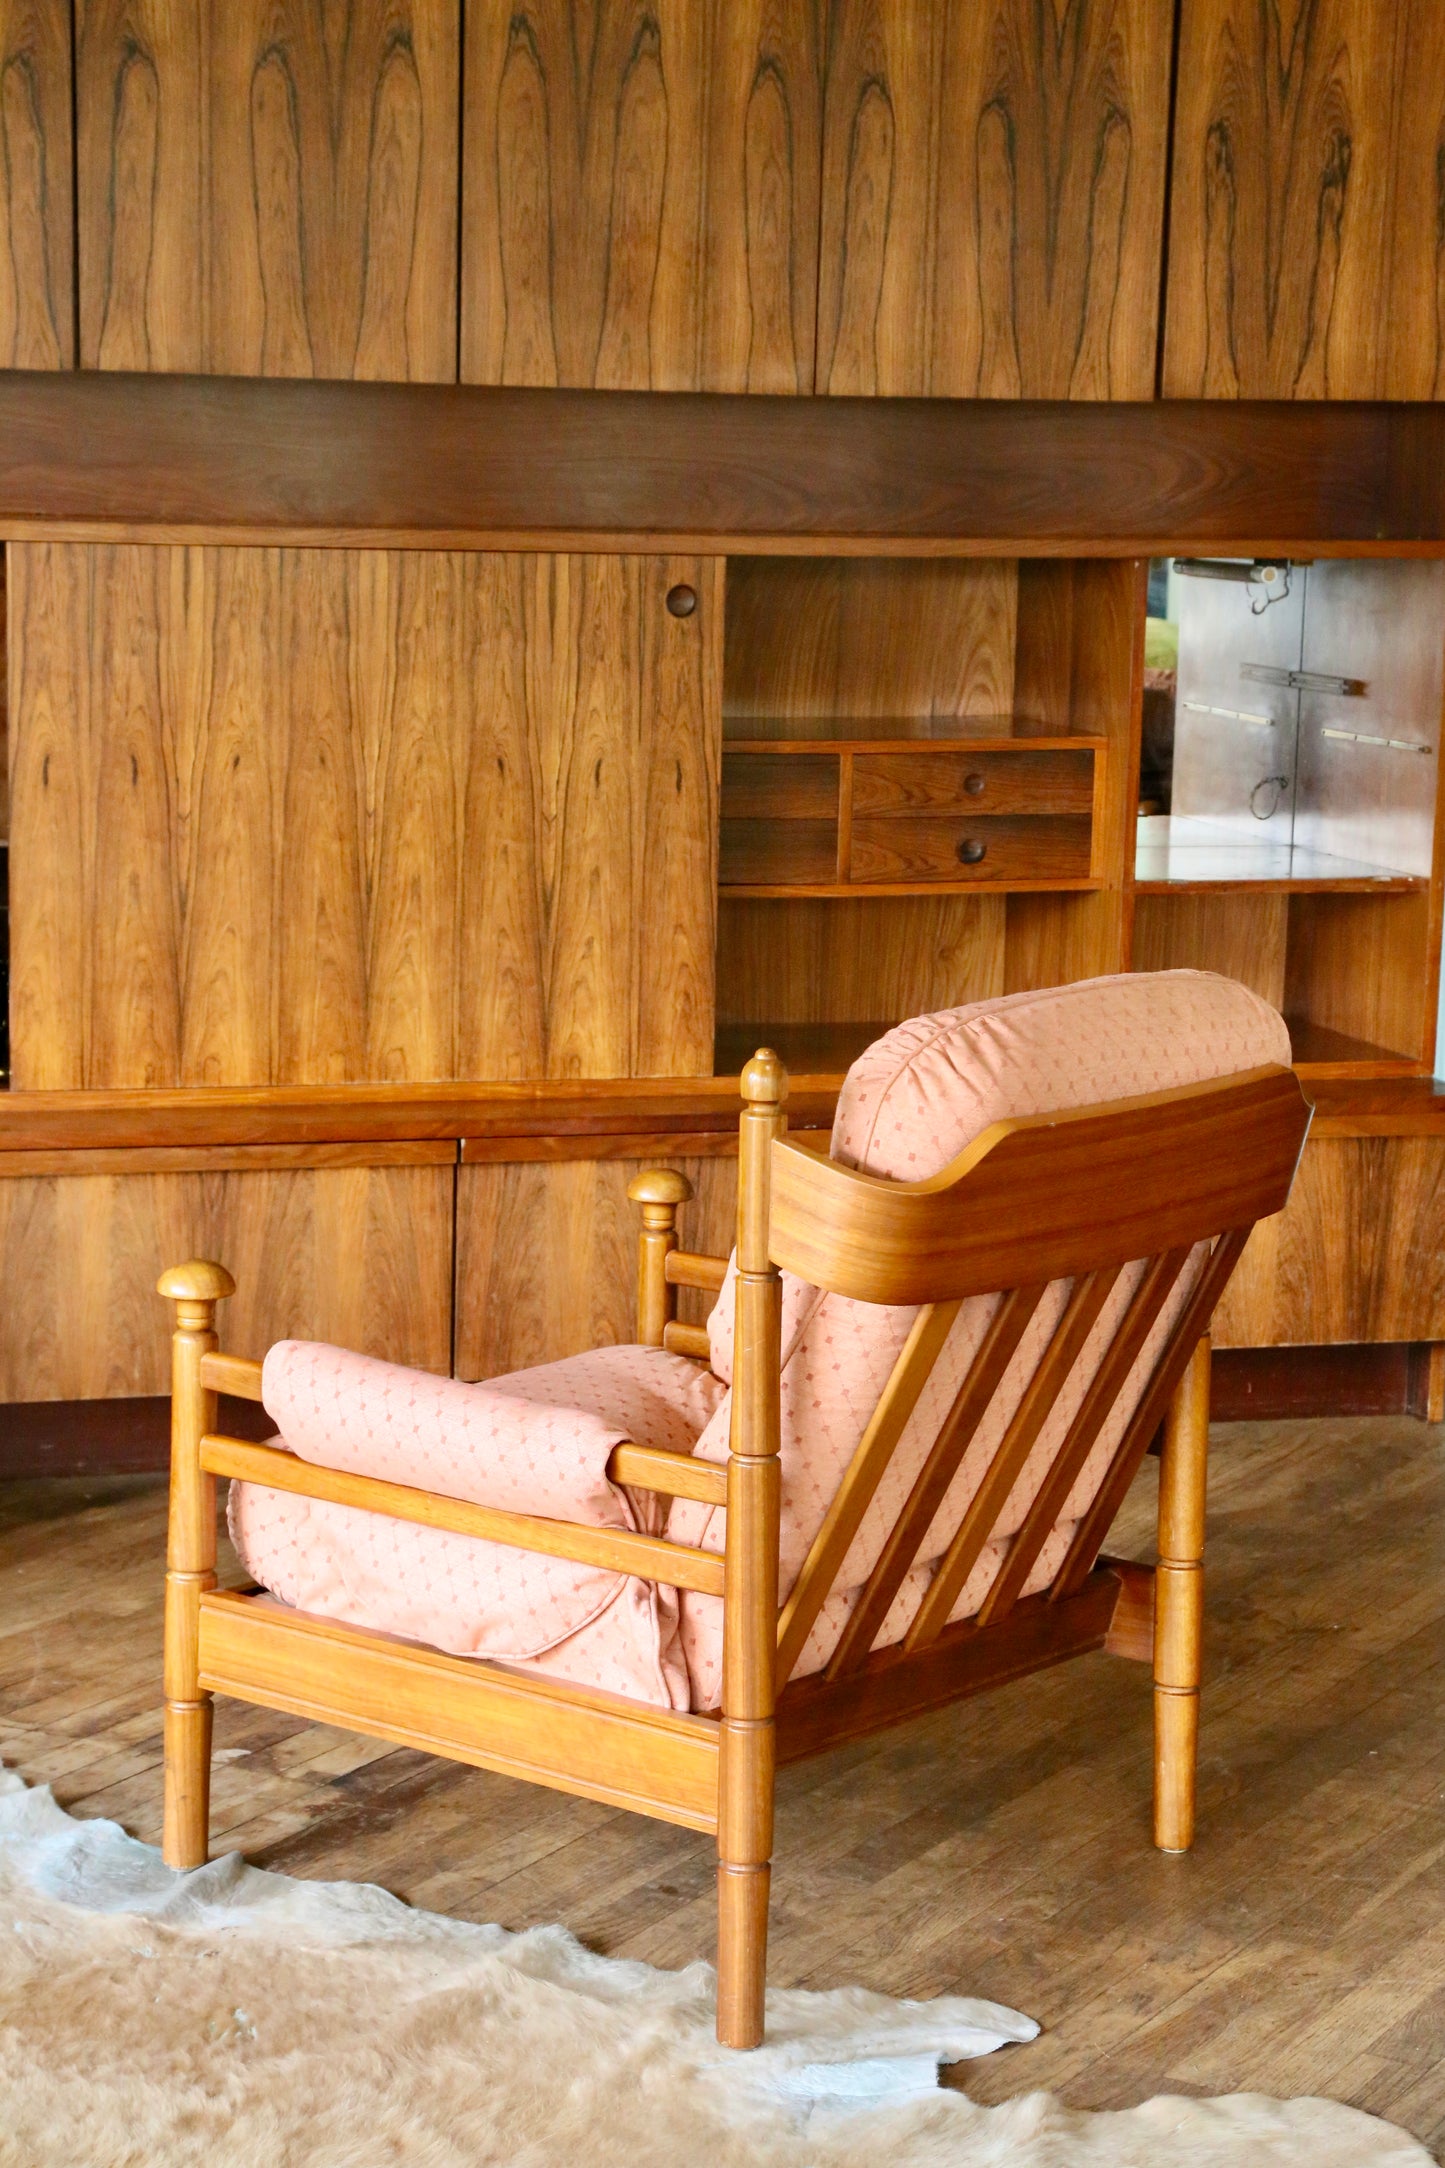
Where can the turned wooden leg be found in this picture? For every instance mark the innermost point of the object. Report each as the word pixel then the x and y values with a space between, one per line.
pixel 750 1591
pixel 1179 1605
pixel 659 1191
pixel 195 1290
pixel 744 1876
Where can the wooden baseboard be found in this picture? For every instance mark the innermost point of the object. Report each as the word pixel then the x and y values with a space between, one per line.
pixel 1270 1383
pixel 105 1437
pixel 132 1437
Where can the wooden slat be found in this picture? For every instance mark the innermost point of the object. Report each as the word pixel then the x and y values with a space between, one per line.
pixel 1149 1298
pixel 1193 1323
pixel 95 457
pixel 684 1268
pixel 818 1714
pixel 235 1374
pixel 1082 1313
pixel 677 1475
pixel 687 1340
pixel 971 1403
pixel 865 1471
pixel 624 1753
pixel 1048 1196
pixel 616 1550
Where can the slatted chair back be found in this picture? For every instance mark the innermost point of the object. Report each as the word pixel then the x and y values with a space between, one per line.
pixel 1169 1183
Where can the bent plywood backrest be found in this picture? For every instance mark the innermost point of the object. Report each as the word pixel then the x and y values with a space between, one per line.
pixel 1164 1188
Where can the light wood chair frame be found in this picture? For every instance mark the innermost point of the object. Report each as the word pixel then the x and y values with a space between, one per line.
pixel 1075 1196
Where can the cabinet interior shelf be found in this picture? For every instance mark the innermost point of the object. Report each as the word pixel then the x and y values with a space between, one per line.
pixel 829 1050
pixel 1176 854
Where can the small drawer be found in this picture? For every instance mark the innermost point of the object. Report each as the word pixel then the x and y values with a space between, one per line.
pixel 1059 781
pixel 777 854
pixel 780 786
pixel 894 847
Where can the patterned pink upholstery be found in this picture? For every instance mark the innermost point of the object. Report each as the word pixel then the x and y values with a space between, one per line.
pixel 910 1104
pixel 535 1442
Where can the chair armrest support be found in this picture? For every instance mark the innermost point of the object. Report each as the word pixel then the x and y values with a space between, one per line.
pixel 233 1374
pixel 616 1550
pixel 659 1191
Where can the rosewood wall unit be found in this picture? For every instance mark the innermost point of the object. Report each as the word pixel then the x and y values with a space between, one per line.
pixel 426 790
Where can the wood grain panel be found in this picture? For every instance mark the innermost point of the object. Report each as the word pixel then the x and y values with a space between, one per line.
pixel 873 960
pixel 1355 1255
pixel 993 192
pixel 311 817
pixel 1080 666
pixel 357 1255
pixel 641 194
pixel 547 1255
pixel 869 636
pixel 269 187
pixel 1307 249
pixel 37 242
pixel 1241 936
pixel 1361 965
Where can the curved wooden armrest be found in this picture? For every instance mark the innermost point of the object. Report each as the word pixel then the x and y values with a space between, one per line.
pixel 233 1374
pixel 618 1550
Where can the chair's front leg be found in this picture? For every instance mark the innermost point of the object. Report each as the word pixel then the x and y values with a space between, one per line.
pixel 1179 1605
pixel 195 1290
pixel 750 1596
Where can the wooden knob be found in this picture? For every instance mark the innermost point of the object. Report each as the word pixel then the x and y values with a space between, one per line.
pixel 971 851
pixel 196 1282
pixel 659 1185
pixel 682 600
pixel 974 784
pixel 765 1080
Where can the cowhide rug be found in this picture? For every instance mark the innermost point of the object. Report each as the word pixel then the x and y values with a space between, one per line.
pixel 248 2020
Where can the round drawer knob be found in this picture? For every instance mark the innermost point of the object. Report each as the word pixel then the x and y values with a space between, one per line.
pixel 682 601
pixel 971 852
pixel 975 784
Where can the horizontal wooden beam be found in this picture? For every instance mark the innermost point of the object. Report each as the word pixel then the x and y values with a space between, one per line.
pixel 103 456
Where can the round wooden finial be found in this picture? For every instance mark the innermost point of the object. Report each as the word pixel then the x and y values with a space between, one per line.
pixel 765 1080
pixel 659 1185
pixel 196 1282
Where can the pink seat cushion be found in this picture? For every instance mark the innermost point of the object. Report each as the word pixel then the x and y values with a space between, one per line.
pixel 909 1105
pixel 534 1442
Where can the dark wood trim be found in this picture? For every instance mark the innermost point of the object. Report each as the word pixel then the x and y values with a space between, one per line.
pixel 100 456
pixel 206 1116
pixel 132 1437
pixel 1272 1383
pixel 105 1437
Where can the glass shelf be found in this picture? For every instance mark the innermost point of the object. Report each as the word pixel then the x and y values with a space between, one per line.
pixel 1183 851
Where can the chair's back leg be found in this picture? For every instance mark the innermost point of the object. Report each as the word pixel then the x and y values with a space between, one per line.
pixel 1179 1605
pixel 750 1599
pixel 195 1290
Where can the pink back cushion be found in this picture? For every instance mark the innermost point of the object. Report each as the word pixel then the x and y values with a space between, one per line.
pixel 909 1105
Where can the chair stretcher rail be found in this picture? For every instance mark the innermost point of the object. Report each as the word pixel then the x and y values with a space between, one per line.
pixel 617 1550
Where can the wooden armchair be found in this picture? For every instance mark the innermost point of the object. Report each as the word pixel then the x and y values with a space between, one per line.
pixel 1074 1197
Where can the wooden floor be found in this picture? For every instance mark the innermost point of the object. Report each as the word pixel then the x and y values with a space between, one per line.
pixel 1001 1848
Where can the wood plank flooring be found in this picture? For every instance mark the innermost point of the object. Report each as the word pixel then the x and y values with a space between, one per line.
pixel 1001 1848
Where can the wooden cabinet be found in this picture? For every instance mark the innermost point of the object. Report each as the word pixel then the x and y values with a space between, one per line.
pixel 37 263
pixel 547 1253
pixel 319 816
pixel 332 1243
pixel 641 194
pixel 1356 1254
pixel 268 187
pixel 993 197
pixel 1306 246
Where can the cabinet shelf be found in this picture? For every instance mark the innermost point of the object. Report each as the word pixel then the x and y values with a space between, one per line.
pixel 1179 853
